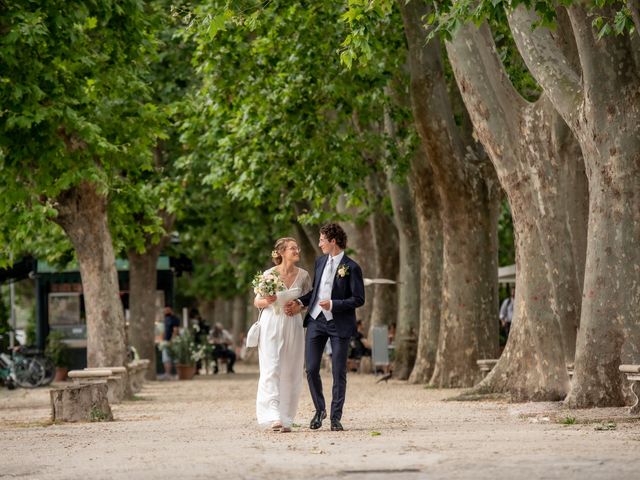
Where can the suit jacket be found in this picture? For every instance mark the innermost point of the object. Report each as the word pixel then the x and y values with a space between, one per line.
pixel 347 294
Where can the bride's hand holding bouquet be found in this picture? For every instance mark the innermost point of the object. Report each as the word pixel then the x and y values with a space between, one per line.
pixel 267 285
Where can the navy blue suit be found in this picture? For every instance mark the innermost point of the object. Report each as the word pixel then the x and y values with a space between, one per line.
pixel 347 294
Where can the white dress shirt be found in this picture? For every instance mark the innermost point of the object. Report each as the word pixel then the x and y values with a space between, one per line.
pixel 326 285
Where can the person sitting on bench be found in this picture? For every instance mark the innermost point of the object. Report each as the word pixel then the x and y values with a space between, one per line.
pixel 360 346
pixel 222 342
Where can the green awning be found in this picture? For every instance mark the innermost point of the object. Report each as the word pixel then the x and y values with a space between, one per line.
pixel 122 265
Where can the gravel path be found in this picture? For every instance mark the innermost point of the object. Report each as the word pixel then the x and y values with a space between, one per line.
pixel 206 429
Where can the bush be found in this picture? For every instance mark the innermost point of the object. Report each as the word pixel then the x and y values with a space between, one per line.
pixel 57 350
pixel 183 349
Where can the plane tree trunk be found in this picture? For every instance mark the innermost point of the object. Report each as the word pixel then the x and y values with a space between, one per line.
pixel 143 274
pixel 82 214
pixel 600 101
pixel 528 144
pixel 385 240
pixel 428 213
pixel 469 194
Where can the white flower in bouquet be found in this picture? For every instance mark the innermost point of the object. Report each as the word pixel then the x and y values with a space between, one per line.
pixel 267 284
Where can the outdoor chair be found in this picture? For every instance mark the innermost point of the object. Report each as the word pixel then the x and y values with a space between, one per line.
pixel 380 348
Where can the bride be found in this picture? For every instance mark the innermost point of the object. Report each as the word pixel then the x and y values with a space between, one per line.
pixel 281 343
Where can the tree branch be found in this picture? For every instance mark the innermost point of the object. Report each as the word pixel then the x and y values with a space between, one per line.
pixel 547 62
pixel 493 103
pixel 607 63
pixel 430 100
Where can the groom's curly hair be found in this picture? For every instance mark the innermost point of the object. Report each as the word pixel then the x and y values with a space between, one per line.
pixel 334 231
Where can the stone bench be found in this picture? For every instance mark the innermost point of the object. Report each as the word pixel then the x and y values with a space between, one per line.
pixel 133 369
pixel 118 382
pixel 633 375
pixel 92 376
pixel 137 371
pixel 81 403
pixel 486 365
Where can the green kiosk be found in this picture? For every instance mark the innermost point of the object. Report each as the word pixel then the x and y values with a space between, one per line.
pixel 60 303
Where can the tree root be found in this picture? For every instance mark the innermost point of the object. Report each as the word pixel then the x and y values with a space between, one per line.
pixel 474 395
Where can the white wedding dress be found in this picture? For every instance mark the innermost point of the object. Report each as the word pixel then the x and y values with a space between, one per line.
pixel 281 357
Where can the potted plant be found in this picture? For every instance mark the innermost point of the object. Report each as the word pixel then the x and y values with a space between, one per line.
pixel 58 352
pixel 183 350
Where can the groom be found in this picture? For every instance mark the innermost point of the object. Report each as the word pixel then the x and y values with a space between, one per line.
pixel 337 291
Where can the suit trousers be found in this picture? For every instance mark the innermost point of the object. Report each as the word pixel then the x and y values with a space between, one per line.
pixel 318 332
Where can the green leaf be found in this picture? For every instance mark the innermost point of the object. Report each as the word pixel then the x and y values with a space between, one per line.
pixel 90 23
pixel 605 30
pixel 218 22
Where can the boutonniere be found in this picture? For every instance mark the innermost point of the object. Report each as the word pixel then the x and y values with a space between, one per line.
pixel 343 270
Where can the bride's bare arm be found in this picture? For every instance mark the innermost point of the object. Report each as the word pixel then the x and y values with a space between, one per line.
pixel 263 302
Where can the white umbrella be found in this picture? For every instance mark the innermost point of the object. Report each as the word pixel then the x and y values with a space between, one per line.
pixel 371 281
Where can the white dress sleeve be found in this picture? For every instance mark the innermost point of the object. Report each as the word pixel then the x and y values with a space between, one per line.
pixel 305 282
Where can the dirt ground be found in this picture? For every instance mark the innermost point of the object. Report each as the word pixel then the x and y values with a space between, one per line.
pixel 206 428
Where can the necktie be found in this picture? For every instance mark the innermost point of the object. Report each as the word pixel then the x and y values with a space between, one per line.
pixel 329 277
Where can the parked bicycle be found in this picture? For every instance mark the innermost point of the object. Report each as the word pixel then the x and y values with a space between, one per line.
pixel 37 355
pixel 6 375
pixel 26 368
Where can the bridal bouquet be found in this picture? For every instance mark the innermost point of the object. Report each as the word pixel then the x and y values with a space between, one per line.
pixel 267 284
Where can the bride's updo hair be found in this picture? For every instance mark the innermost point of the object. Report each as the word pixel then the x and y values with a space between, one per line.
pixel 279 248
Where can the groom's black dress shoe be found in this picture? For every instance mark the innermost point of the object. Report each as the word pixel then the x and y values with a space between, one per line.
pixel 316 421
pixel 336 426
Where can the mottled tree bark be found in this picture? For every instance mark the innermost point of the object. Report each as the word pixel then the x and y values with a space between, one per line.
pixel 408 316
pixel 532 366
pixel 143 275
pixel 530 147
pixel 360 245
pixel 468 329
pixel 562 201
pixel 427 206
pixel 142 307
pixel 82 213
pixel 469 195
pixel 601 104
pixel 404 214
pixel 385 240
